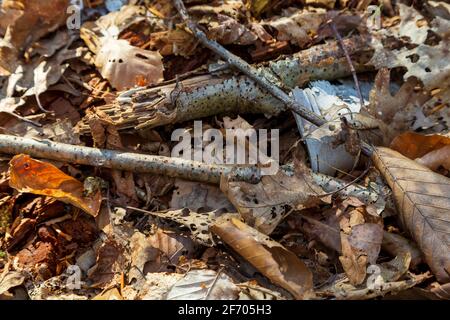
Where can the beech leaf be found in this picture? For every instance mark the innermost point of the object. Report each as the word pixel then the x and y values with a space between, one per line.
pixel 423 201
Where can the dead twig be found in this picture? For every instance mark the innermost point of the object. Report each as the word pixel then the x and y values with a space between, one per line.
pixel 349 61
pixel 126 161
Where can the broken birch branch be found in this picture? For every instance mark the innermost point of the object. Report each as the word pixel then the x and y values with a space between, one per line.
pixel 127 161
pixel 214 94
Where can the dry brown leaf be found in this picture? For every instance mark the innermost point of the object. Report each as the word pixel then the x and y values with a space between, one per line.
pixel 396 245
pixel 274 261
pixel 28 21
pixel 199 197
pixel 111 294
pixel 432 151
pixel 436 159
pixel 110 263
pixel 298 28
pixel 266 204
pixel 423 200
pixel 414 145
pixel 353 262
pixel 126 66
pixel 34 176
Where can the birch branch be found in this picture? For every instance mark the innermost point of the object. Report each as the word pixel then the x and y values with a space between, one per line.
pixel 213 94
pixel 127 161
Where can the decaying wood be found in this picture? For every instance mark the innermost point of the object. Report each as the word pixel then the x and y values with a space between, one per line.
pixel 127 161
pixel 215 94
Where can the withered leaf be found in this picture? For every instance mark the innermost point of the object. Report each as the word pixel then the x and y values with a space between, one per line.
pixel 126 66
pixel 38 177
pixel 423 200
pixel 266 204
pixel 278 264
pixel 414 145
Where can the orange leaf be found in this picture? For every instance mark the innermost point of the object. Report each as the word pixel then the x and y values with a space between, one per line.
pixel 33 176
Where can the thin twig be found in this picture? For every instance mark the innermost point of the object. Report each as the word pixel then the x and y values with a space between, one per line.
pixel 126 161
pixel 253 74
pixel 347 185
pixel 349 61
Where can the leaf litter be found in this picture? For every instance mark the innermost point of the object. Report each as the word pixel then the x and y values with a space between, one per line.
pixel 334 222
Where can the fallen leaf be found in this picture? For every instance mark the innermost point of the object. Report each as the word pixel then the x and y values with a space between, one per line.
pixel 198 223
pixel 204 285
pixel 415 145
pixel 9 280
pixel 126 66
pixel 110 263
pixel 278 264
pixel 396 245
pixel 111 294
pixel 422 199
pixel 38 177
pixel 265 204
pixel 436 159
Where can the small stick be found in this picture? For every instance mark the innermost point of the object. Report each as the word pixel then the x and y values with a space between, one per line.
pixel 253 74
pixel 127 161
pixel 350 63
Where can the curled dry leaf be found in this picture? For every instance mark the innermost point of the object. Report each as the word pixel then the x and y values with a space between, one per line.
pixel 266 204
pixel 156 252
pixel 38 177
pixel 423 201
pixel 204 285
pixel 26 22
pixel 126 66
pixel 436 159
pixel 414 145
pixel 298 28
pixel 9 280
pixel 432 151
pixel 278 264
